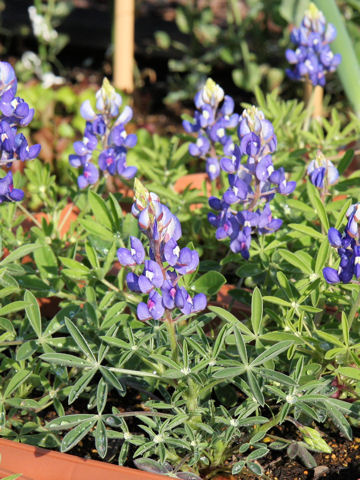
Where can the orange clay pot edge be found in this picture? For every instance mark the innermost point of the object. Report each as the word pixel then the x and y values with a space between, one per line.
pixel 40 464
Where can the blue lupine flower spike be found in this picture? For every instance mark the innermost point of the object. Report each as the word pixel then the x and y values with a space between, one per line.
pixel 15 113
pixel 167 264
pixel 213 121
pixel 312 57
pixel 244 208
pixel 105 133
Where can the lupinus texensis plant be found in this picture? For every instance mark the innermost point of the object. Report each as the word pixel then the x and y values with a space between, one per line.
pixel 211 122
pixel 312 57
pixel 15 112
pixel 106 129
pixel 167 263
pixel 252 185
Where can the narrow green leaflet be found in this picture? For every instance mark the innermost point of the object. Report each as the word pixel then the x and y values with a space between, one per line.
pixel 240 345
pixel 322 256
pixel 306 230
pixel 256 311
pixel 33 312
pixel 316 202
pixel 101 440
pixel 100 210
pixel 101 395
pixel 66 360
pixel 342 214
pixel 19 253
pixel 68 421
pixel 271 352
pixel 13 307
pixel 229 317
pixel 76 434
pixel 80 385
pixel 294 259
pixel 79 339
pixel 16 381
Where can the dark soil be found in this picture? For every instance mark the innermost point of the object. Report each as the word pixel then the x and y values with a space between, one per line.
pixel 342 464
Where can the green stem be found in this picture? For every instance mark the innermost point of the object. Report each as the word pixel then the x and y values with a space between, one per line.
pixel 28 214
pixel 355 307
pixel 9 344
pixel 170 326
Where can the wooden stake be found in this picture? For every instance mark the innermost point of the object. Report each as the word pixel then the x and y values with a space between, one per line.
pixel 124 45
pixel 314 95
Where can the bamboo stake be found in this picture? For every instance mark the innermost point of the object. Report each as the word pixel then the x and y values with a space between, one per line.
pixel 124 45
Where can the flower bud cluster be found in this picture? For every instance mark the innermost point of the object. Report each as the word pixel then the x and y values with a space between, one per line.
pixel 322 172
pixel 15 112
pixel 252 185
pixel 104 135
pixel 167 263
pixel 212 122
pixel 348 247
pixel 312 58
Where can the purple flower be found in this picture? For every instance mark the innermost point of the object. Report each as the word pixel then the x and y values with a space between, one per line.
pixel 321 169
pixel 171 252
pixel 151 277
pixel 331 275
pixel 153 308
pixel 168 291
pixel 187 262
pixel 89 176
pixel 237 192
pixel 136 255
pixel 132 281
pixel 334 237
pixel 232 165
pixel 200 148
pixel 213 168
pixel 7 191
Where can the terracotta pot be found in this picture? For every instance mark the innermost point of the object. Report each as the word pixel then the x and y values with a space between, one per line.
pixel 40 464
pixel 49 306
pixel 195 182
pixel 224 300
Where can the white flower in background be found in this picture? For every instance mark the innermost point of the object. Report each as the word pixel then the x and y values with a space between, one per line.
pixel 48 80
pixel 40 27
pixel 31 61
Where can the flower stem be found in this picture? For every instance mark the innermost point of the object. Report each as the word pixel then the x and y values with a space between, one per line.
pixel 28 214
pixel 170 326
